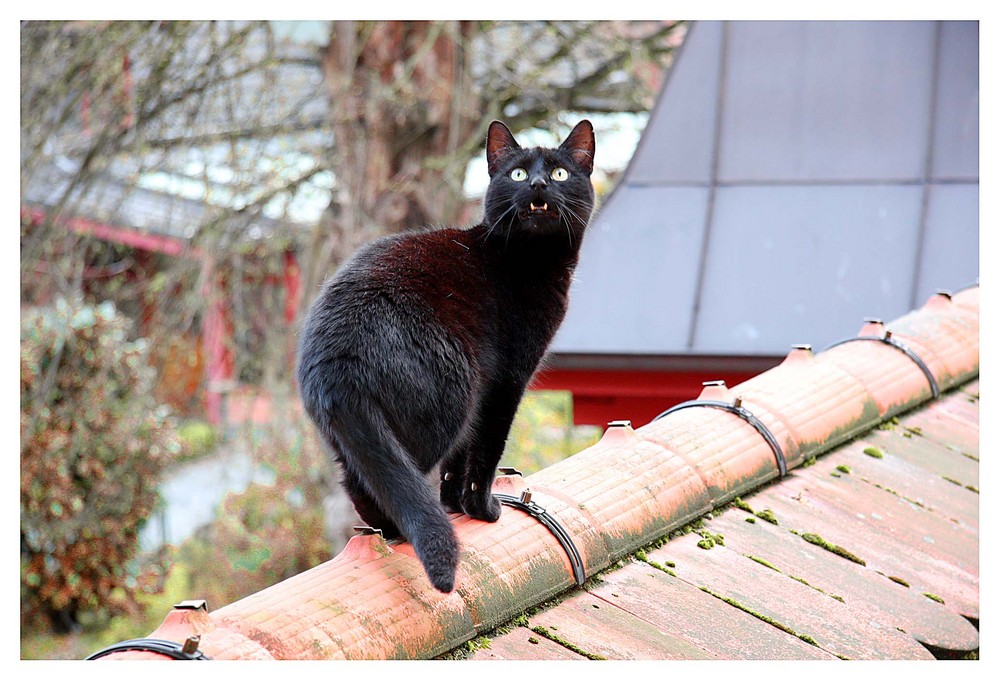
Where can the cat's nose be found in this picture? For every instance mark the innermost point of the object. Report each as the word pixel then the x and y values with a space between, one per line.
pixel 538 182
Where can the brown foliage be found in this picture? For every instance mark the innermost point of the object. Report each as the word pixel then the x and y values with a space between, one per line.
pixel 93 443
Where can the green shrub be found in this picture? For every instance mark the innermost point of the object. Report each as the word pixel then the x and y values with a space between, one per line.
pixel 93 443
pixel 197 438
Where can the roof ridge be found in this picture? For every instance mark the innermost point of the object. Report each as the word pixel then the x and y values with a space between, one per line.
pixel 630 489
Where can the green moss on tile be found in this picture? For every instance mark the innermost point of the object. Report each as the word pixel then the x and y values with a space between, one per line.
pixel 542 631
pixel 890 424
pixel 915 430
pixel 972 488
pixel 816 588
pixel 750 519
pixel 767 515
pixel 934 597
pixel 899 580
pixel 811 461
pixel 477 643
pixel 915 502
pixel 742 505
pixel 832 548
pixel 758 559
pixel 952 480
pixel 710 539
pixel 835 474
pixel 874 452
pixel 520 621
pixel 843 468
pixel 764 618
pixel 641 555
pixel 665 567
pixel 685 529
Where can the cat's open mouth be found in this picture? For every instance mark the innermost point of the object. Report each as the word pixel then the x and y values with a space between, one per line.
pixel 540 209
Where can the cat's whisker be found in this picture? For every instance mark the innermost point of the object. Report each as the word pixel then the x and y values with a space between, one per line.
pixel 499 221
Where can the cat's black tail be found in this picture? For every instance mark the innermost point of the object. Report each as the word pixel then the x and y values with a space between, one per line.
pixel 379 472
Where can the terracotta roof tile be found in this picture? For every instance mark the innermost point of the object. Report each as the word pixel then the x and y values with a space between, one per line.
pixel 867 549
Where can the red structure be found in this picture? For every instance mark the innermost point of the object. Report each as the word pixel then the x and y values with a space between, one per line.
pixel 633 393
pixel 215 357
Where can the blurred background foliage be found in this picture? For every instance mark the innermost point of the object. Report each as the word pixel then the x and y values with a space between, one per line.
pixel 185 187
pixel 93 445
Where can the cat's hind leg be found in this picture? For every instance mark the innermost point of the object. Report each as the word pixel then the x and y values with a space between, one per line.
pixel 382 471
pixel 368 508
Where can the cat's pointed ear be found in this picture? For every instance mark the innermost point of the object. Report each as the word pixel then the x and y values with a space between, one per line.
pixel 580 145
pixel 499 143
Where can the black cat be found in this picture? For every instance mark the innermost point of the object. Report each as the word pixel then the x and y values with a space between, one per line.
pixel 418 350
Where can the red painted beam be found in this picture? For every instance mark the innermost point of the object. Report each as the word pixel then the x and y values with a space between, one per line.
pixel 147 241
pixel 639 395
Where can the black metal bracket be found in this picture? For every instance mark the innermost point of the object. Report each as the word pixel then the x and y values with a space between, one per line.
pixel 737 408
pixel 186 651
pixel 524 503
pixel 887 339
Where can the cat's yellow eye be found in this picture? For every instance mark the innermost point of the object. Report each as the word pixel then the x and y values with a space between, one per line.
pixel 519 174
pixel 560 174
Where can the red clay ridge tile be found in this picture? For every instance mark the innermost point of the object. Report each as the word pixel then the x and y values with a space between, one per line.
pixel 911 516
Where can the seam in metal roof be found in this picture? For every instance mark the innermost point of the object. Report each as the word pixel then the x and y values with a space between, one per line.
pixel 832 164
pixel 870 552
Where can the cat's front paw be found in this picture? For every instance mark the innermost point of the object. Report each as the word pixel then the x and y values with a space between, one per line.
pixel 482 506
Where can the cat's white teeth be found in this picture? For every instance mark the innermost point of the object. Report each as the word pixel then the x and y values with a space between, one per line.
pixel 542 207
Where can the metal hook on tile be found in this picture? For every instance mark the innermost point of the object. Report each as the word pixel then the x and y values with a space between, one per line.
pixel 888 339
pixel 365 530
pixel 736 407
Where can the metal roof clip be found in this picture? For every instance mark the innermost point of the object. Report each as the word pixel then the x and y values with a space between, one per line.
pixel 366 530
pixel 191 645
pixel 193 604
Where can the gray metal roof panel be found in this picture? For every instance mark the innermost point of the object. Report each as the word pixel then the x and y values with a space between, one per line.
pixel 956 126
pixel 781 263
pixel 825 100
pixel 684 115
pixel 951 240
pixel 819 205
pixel 639 259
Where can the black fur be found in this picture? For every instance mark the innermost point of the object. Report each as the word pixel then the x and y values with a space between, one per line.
pixel 418 350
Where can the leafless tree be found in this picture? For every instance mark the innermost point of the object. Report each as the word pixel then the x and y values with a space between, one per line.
pixel 239 143
pixel 383 119
pixel 175 167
